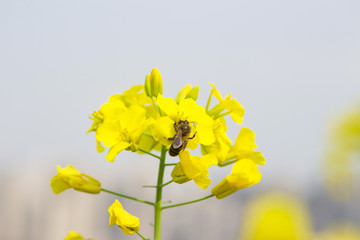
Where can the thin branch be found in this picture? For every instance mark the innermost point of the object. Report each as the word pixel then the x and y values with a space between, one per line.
pixel 149 153
pixel 153 186
pixel 170 164
pixel 185 203
pixel 128 197
pixel 144 238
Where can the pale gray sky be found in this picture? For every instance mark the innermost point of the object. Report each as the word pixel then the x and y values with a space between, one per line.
pixel 294 65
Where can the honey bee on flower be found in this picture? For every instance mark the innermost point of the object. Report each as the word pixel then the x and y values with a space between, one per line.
pixel 181 137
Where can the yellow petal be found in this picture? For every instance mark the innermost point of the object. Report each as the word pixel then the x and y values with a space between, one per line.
pixel 245 141
pixel 108 134
pixel 203 181
pixel 193 143
pixel 257 157
pixel 215 92
pixel 162 129
pixel 236 111
pixel 147 143
pixel 116 149
pixel 244 174
pixel 57 185
pixel 99 147
pixel 196 168
pixel 178 174
pixel 206 134
pixel 223 189
pixel 127 222
pixel 188 109
pixel 168 106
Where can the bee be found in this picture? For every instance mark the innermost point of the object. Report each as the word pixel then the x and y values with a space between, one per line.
pixel 180 140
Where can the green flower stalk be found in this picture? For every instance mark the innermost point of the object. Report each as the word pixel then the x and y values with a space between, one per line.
pixel 141 120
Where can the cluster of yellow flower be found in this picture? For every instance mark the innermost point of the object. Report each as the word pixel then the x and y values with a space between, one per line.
pixel 142 120
pixel 133 121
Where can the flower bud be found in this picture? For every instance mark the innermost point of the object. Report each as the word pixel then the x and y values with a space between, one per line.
pixel 182 93
pixel 193 93
pixel 156 84
pixel 187 92
pixel 147 85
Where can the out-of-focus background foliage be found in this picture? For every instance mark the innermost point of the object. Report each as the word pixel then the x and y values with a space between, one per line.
pixel 294 66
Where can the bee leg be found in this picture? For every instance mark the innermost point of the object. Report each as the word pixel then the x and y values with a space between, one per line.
pixel 193 136
pixel 171 139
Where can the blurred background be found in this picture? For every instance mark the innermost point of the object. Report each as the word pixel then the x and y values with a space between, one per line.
pixel 293 65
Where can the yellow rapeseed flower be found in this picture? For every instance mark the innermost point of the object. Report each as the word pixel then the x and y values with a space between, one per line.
pixel 128 223
pixel 222 146
pixel 112 107
pixel 70 177
pixel 193 168
pixel 232 106
pixel 340 231
pixel 75 236
pixel 245 145
pixel 122 129
pixel 244 174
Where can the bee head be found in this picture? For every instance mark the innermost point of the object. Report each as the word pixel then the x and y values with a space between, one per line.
pixel 185 121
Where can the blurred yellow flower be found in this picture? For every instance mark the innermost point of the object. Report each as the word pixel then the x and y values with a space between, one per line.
pixel 343 155
pixel 128 223
pixel 193 168
pixel 70 177
pixel 339 231
pixel 243 174
pixel 74 236
pixel 276 216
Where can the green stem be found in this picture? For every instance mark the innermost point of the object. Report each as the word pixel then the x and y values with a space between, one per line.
pixel 223 164
pixel 222 115
pixel 144 238
pixel 157 220
pixel 157 107
pixel 208 101
pixel 185 203
pixel 128 197
pixel 149 153
pixel 170 164
pixel 163 185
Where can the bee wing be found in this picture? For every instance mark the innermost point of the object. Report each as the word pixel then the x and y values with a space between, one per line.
pixel 178 141
pixel 185 141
